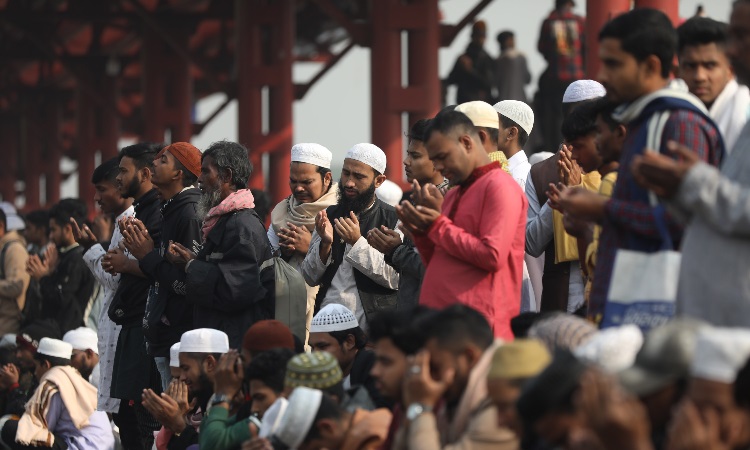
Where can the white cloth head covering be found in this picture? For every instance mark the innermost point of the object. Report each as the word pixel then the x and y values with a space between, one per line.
pixel 312 153
pixel 481 114
pixel 299 416
pixel 273 418
pixel 581 90
pixel 369 154
pixel 204 340
pixel 539 157
pixel 613 349
pixel 517 111
pixel 390 193
pixel 720 353
pixel 55 348
pixel 13 220
pixel 82 338
pixel 333 317
pixel 174 355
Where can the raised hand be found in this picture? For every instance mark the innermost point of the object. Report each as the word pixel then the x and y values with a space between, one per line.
pixel 568 169
pixel 383 239
pixel 84 236
pixel 324 228
pixel 37 267
pixel 348 228
pixel 229 374
pixel 294 238
pixel 417 219
pixel 419 386
pixel 137 239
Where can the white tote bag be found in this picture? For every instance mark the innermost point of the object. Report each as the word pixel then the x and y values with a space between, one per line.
pixel 643 287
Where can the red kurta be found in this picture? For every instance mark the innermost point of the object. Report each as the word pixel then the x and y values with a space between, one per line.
pixel 474 251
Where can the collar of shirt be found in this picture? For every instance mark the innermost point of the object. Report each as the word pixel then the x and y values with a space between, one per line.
pixel 128 212
pixel 478 173
pixel 68 248
pixel 515 160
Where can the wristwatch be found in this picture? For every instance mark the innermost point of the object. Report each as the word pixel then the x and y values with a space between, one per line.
pixel 221 398
pixel 415 410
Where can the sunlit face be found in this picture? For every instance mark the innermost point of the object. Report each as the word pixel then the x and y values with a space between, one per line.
pixel 193 372
pixel 165 171
pixel 306 183
pixel 40 368
pixel 738 46
pixel 583 150
pixel 129 179
pixel 389 369
pixel 262 397
pixel 706 71
pixel 620 73
pixel 449 155
pixel 108 197
pixel 417 164
pixel 34 234
pixel 504 395
pixel 324 342
pixel 357 177
pixel 209 179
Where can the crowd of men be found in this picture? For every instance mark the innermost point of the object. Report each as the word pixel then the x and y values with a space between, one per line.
pixel 502 303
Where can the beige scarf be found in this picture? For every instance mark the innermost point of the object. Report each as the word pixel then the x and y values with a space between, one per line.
pixel 77 394
pixel 302 214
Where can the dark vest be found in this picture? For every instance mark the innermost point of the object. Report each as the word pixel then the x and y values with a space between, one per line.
pixel 375 298
pixel 556 278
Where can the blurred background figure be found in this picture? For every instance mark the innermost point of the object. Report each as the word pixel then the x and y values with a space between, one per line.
pixel 511 69
pixel 473 72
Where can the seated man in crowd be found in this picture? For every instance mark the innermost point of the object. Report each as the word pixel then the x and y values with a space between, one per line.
pixel 62 412
pixel 316 370
pixel 85 357
pixel 265 335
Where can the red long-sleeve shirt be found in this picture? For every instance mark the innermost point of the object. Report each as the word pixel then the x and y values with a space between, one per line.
pixel 474 251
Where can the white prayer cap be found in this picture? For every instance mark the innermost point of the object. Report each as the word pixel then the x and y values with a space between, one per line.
pixel 273 418
pixel 481 114
pixel 390 193
pixel 311 153
pixel 204 340
pixel 299 416
pixel 720 353
pixel 55 348
pixel 12 219
pixel 517 111
pixel 581 90
pixel 174 355
pixel 82 338
pixel 369 154
pixel 333 317
pixel 613 349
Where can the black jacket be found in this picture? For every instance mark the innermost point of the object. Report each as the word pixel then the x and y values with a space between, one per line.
pixel 66 292
pixel 228 282
pixel 360 376
pixel 129 303
pixel 407 262
pixel 168 314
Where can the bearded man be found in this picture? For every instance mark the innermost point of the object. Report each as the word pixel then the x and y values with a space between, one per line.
pixel 231 280
pixel 340 260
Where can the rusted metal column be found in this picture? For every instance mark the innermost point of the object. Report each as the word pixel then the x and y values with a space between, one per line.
pixel 9 134
pixel 670 7
pixel 599 13
pixel 424 45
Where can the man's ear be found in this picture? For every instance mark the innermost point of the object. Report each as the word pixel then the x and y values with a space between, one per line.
pixel 473 354
pixel 620 131
pixel 326 428
pixel 483 136
pixel 146 173
pixel 210 363
pixel 327 179
pixel 652 63
pixel 379 180
pixel 512 133
pixel 466 142
pixel 349 343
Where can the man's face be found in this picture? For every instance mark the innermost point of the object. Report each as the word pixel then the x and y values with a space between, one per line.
pixel 306 184
pixel 583 149
pixel 262 397
pixel 165 172
pixel 25 359
pixel 558 428
pixel 59 235
pixel 34 234
pixel 620 73
pixel 357 185
pixel 706 70
pixel 417 164
pixel 738 47
pixel 108 197
pixel 40 368
pixel 210 183
pixel 608 141
pixel 331 434
pixel 504 395
pixel 84 361
pixel 389 369
pixel 324 342
pixel 193 373
pixel 449 156
pixel 442 360
pixel 129 179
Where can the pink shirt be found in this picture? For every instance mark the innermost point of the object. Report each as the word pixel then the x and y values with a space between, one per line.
pixel 477 257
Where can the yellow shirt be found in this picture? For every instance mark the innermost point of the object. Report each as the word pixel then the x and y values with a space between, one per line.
pixel 501 158
pixel 566 246
pixel 606 188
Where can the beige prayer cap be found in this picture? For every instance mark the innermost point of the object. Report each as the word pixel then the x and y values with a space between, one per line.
pixel 481 114
pixel 522 358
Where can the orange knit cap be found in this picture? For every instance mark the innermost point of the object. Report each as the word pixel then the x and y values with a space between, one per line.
pixel 186 153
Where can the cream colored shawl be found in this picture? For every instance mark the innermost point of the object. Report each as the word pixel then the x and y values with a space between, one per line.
pixel 302 214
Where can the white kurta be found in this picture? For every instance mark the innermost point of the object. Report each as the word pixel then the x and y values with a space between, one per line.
pixel 730 111
pixel 108 332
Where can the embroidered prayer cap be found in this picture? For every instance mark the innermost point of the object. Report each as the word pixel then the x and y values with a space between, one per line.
pixel 312 153
pixel 13 221
pixel 28 338
pixel 390 193
pixel 55 348
pixel 369 154
pixel 299 417
pixel 186 153
pixel 517 111
pixel 174 355
pixel 522 358
pixel 481 114
pixel 318 370
pixel 82 338
pixel 204 340
pixel 266 335
pixel 720 353
pixel 562 331
pixel 613 349
pixel 333 317
pixel 581 90
pixel 664 358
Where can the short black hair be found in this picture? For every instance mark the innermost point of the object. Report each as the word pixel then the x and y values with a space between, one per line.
pixel 269 367
pixel 643 32
pixel 360 339
pixel 604 108
pixel 69 208
pixel 188 177
pixel 702 31
pixel 560 3
pixel 142 154
pixel 742 386
pixel 492 133
pixel 523 136
pixel 232 156
pixel 39 218
pixel 448 120
pixel 417 131
pixel 398 327
pixel 328 409
pixel 3 219
pixel 456 324
pixel 521 324
pixel 54 361
pixel 107 171
pixel 503 36
pixel 580 122
pixel 263 204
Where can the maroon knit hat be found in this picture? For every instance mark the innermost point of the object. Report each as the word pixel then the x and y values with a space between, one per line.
pixel 266 335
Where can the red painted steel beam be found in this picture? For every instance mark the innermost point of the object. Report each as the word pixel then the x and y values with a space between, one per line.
pixel 31 151
pixel 52 151
pixel 670 7
pixel 424 45
pixel 599 13
pixel 9 134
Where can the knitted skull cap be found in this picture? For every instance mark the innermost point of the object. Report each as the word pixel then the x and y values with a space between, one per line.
pixel 333 317
pixel 174 355
pixel 581 90
pixel 517 111
pixel 369 154
pixel 312 153
pixel 299 417
pixel 317 370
